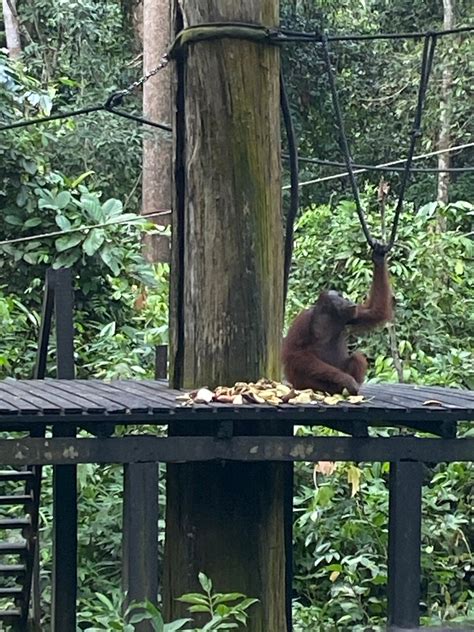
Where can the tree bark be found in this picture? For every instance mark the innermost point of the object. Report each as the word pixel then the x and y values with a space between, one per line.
pixel 444 140
pixel 227 305
pixel 157 147
pixel 12 28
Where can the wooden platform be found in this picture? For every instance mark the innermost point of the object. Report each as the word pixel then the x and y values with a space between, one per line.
pixel 130 401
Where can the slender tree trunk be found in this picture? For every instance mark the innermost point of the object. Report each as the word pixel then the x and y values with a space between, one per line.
pixel 157 146
pixel 226 519
pixel 444 140
pixel 12 28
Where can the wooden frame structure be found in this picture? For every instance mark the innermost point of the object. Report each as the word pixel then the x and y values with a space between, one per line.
pixel 65 404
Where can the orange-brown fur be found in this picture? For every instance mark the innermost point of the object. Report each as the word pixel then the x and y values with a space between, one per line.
pixel 315 353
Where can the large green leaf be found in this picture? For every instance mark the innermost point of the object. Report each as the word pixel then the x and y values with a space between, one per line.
pixel 93 241
pixel 68 241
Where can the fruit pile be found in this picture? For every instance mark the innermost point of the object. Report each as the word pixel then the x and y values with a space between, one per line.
pixel 264 392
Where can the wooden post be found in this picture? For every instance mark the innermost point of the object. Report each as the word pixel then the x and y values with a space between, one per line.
pixel 140 535
pixel 227 519
pixel 404 544
pixel 64 573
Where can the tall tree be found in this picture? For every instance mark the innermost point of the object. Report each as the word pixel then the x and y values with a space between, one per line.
pixel 12 28
pixel 156 182
pixel 227 305
pixel 444 140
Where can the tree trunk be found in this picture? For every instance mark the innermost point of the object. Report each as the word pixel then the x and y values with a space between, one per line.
pixel 12 28
pixel 157 148
pixel 226 519
pixel 444 140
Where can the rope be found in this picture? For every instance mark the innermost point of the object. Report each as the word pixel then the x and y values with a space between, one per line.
pixel 344 143
pixel 95 108
pixel 344 174
pixel 302 36
pixel 360 168
pixel 53 117
pixel 59 233
pixel 426 66
pixel 294 188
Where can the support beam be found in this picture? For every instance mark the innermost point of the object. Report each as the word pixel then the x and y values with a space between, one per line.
pixel 404 545
pixel 150 448
pixel 64 575
pixel 140 535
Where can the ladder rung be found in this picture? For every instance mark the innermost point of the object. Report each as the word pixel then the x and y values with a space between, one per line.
pixel 19 499
pixel 13 547
pixel 14 523
pixel 11 591
pixel 12 570
pixel 14 475
pixel 11 615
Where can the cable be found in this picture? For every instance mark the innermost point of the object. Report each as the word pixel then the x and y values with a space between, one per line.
pixel 358 166
pixel 294 175
pixel 59 233
pixel 53 117
pixel 344 174
pixel 303 36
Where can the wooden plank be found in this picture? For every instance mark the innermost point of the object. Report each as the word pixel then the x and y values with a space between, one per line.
pixel 465 398
pixel 414 399
pixel 155 402
pixel 14 399
pixel 87 391
pixel 149 448
pixel 154 391
pixel 131 401
pixel 65 387
pixel 65 405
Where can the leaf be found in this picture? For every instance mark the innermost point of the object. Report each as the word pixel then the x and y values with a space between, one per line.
pixel 62 199
pixel 176 625
pixel 108 330
pixel 93 241
pixel 246 603
pixel 205 582
pixel 353 478
pixel 112 208
pixel 91 205
pixel 193 598
pixel 199 608
pixel 14 220
pixel 223 598
pixel 75 183
pixel 67 260
pixel 63 222
pixel 32 222
pixel 110 260
pixel 459 267
pixel 334 575
pixel 125 217
pixel 68 241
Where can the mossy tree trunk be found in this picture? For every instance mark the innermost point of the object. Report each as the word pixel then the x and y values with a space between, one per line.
pixel 226 519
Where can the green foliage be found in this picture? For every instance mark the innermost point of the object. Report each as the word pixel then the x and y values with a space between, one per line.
pixel 223 614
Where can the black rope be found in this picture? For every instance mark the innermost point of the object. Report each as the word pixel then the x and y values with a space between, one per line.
pixel 317 37
pixel 344 143
pixel 294 184
pixel 97 108
pixel 53 117
pixel 426 66
pixel 335 163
